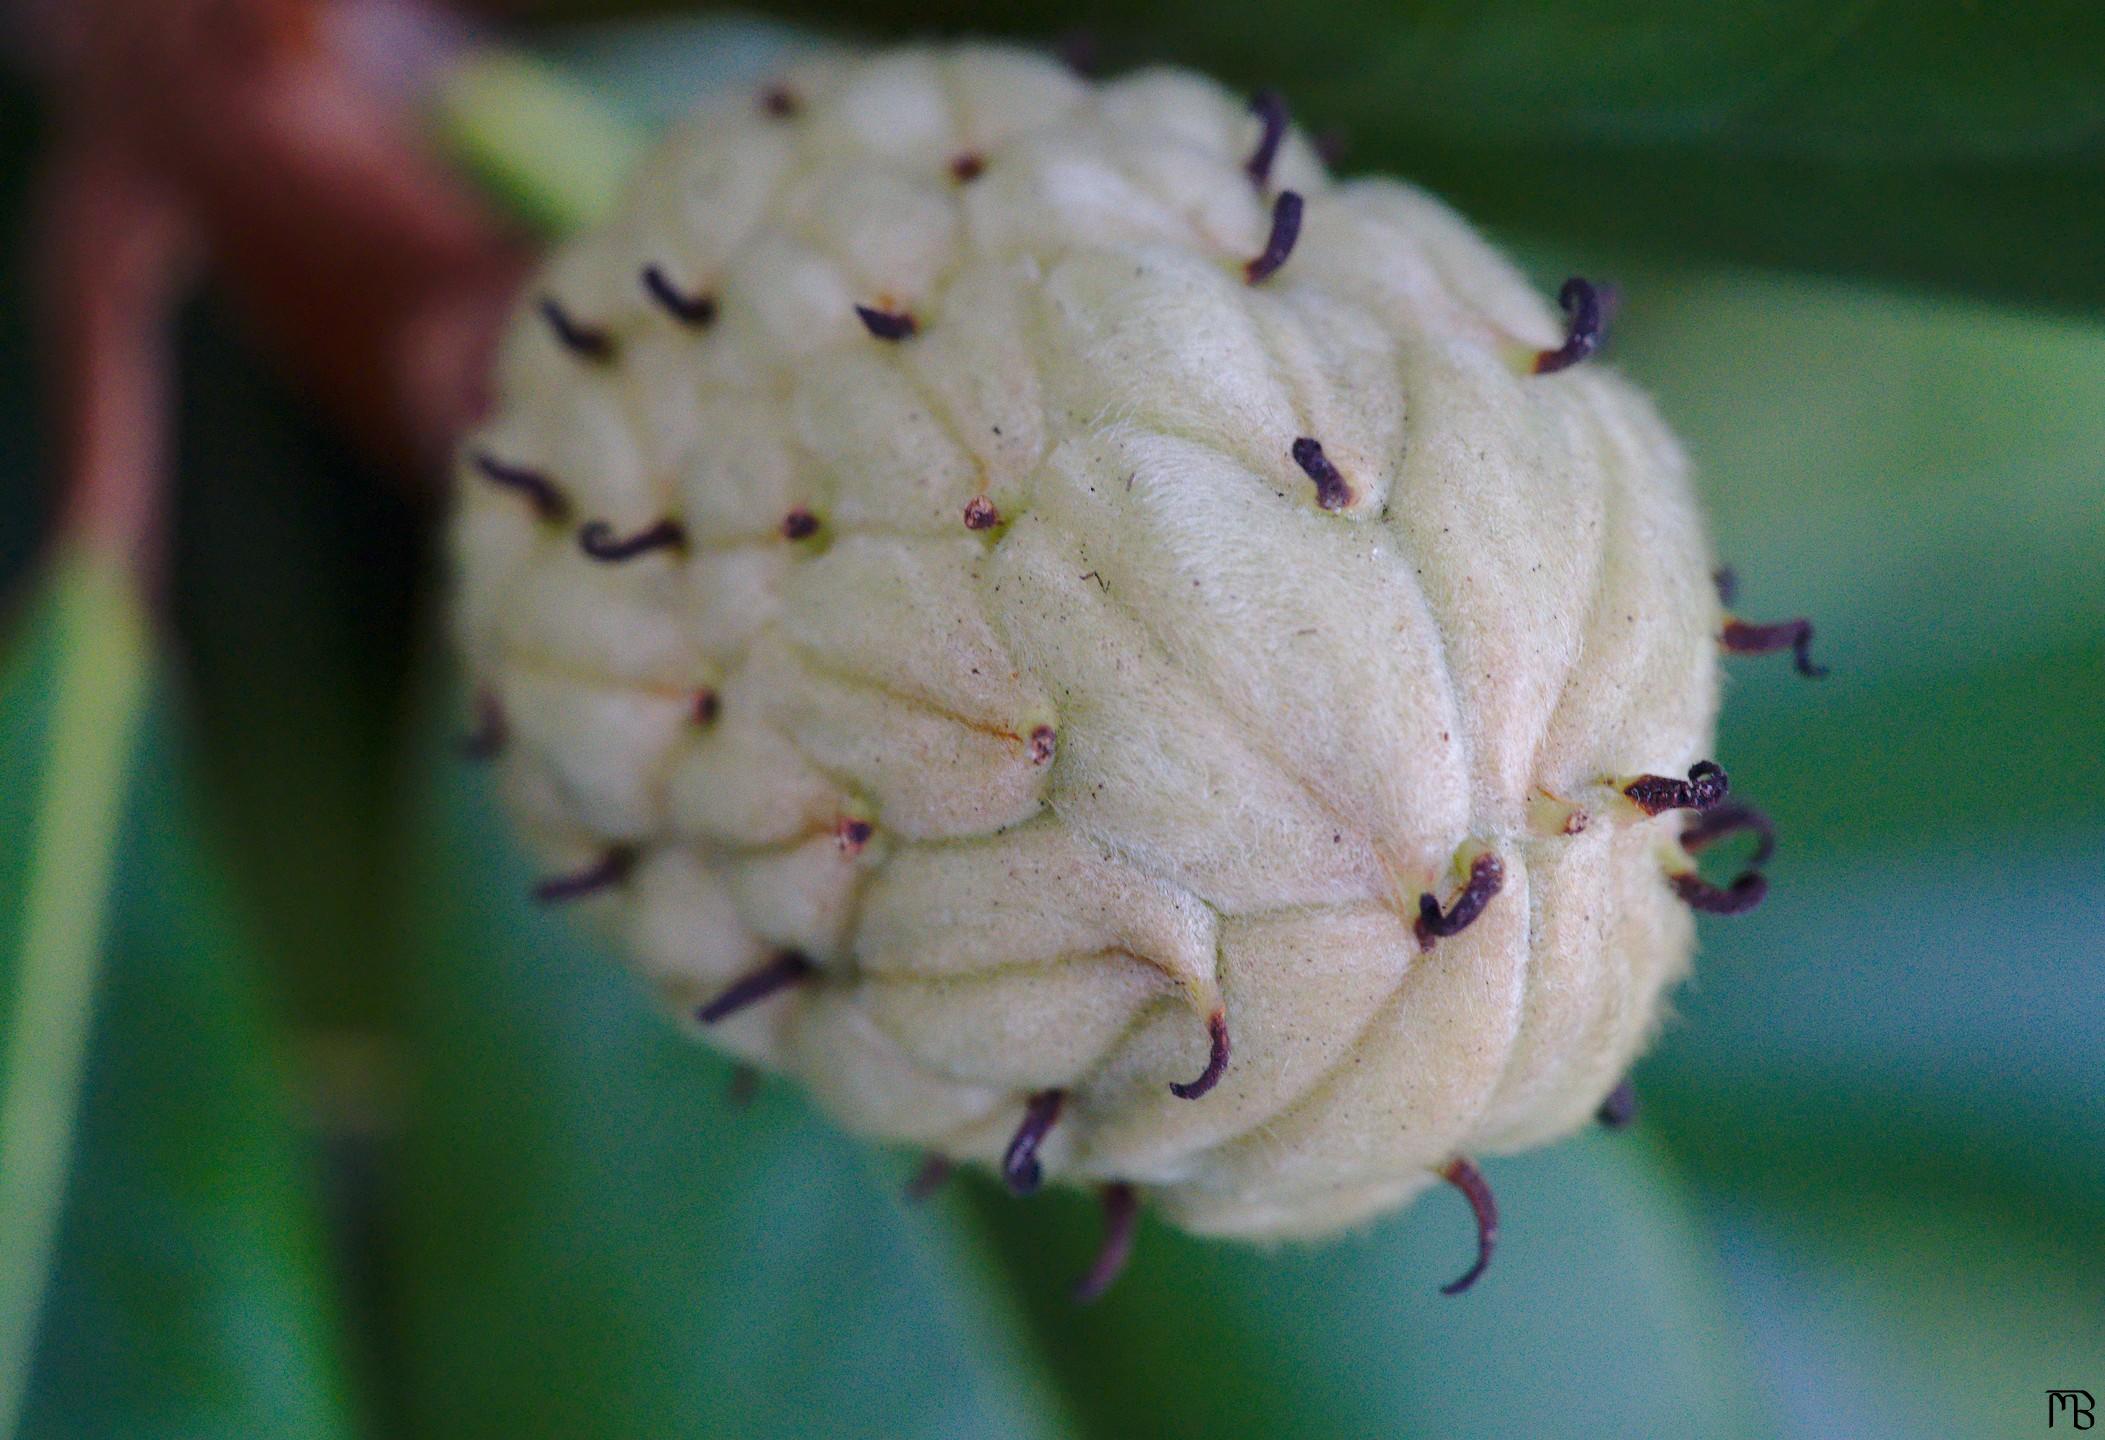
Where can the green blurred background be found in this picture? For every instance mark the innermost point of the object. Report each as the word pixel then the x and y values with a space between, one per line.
pixel 370 1147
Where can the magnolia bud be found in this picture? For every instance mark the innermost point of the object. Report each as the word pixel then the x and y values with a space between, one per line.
pixel 1095 647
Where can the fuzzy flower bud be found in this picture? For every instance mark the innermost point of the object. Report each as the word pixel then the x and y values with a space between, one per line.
pixel 1098 658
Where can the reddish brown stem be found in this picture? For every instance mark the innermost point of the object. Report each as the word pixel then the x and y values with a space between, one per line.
pixel 368 265
pixel 117 246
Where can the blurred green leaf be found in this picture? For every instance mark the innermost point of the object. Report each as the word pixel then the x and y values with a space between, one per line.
pixel 294 580
pixel 598 1240
pixel 68 715
pixel 1929 1018
pixel 1951 144
pixel 189 1297
pixel 1899 1312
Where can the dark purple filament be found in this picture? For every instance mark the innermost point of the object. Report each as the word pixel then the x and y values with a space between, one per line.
pixel 1656 794
pixel 1795 636
pixel 1020 1170
pixel 1216 1060
pixel 1462 1173
pixel 697 310
pixel 1742 895
pixel 1332 493
pixel 1269 106
pixel 598 540
pixel 1286 228
pixel 1487 874
pixel 887 324
pixel 1585 324
pixel 586 341
pixel 548 502
pixel 1121 1215
pixel 784 969
pixel 1731 817
pixel 604 873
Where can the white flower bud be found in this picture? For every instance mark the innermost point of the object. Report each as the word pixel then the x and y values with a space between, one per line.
pixel 1006 611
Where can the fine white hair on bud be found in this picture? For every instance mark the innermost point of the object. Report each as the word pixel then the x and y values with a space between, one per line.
pixel 1100 650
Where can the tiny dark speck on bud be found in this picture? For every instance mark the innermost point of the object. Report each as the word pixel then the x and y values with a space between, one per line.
pixel 779 102
pixel 967 166
pixel 708 706
pixel 799 524
pixel 1043 743
pixel 980 514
